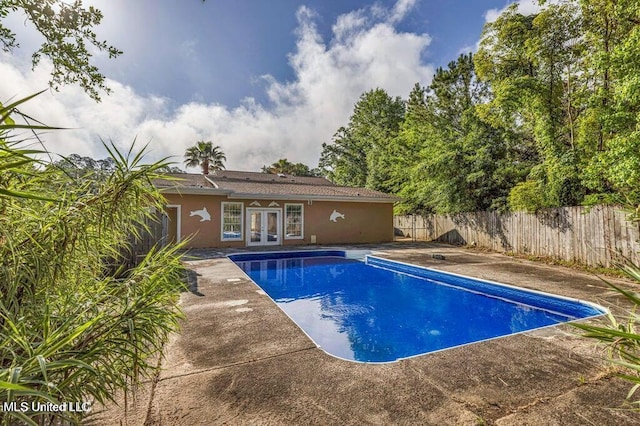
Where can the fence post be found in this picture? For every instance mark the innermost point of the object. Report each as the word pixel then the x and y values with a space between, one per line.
pixel 413 226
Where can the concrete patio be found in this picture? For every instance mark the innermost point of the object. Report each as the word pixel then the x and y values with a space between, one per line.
pixel 240 360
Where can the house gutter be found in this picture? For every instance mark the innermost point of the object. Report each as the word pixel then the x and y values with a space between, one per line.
pixel 194 191
pixel 237 195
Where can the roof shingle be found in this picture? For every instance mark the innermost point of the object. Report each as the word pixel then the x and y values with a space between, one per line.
pixel 252 184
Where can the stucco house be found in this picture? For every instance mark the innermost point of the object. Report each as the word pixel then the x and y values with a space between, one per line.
pixel 237 209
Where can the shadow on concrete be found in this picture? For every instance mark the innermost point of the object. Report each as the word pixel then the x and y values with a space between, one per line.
pixel 191 281
pixel 202 254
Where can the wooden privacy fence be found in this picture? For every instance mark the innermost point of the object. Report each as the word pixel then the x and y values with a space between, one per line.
pixel 594 236
pixel 139 247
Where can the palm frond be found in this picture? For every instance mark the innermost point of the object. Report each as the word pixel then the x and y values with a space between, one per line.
pixel 621 337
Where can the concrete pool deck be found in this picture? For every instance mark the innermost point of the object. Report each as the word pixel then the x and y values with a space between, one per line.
pixel 240 360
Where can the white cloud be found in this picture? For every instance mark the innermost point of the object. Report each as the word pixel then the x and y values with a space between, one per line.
pixel 188 48
pixel 401 9
pixel 365 51
pixel 349 23
pixel 466 49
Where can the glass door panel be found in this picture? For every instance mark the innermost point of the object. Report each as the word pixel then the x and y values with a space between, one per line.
pixel 272 226
pixel 255 227
pixel 264 226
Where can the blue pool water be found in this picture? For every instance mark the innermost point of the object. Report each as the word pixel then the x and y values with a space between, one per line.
pixel 382 311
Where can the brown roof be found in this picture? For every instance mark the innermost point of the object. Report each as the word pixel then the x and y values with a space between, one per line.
pixel 183 180
pixel 239 184
pixel 226 175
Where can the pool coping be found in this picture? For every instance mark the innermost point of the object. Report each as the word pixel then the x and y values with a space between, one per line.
pixel 604 310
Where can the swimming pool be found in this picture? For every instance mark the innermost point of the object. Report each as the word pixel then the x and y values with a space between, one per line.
pixel 378 310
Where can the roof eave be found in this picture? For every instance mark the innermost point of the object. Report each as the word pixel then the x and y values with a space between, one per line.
pixel 237 195
pixel 194 191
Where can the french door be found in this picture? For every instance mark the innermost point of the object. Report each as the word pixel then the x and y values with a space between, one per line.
pixel 264 226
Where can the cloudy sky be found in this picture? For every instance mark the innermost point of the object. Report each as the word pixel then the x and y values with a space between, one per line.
pixel 262 79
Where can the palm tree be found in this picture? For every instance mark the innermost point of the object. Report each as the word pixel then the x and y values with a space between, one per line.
pixel 204 154
pixel 281 166
pixel 287 167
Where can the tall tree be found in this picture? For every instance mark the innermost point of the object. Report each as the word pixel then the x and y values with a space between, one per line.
pixel 531 63
pixel 612 37
pixel 281 166
pixel 69 42
pixel 359 154
pixel 344 161
pixel 551 119
pixel 465 163
pixel 413 133
pixel 205 155
pixel 285 166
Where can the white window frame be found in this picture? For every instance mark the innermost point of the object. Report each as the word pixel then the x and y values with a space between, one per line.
pixel 301 237
pixel 222 205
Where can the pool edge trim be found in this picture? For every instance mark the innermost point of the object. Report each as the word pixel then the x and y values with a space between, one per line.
pixel 594 305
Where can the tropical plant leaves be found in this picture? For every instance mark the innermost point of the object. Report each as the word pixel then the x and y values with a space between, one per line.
pixel 622 338
pixel 74 324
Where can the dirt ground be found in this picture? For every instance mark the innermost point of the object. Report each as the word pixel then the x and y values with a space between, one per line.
pixel 240 360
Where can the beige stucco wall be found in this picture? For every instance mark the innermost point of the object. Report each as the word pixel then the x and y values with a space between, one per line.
pixel 362 223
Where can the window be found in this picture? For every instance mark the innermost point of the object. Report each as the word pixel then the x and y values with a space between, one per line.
pixel 232 221
pixel 293 221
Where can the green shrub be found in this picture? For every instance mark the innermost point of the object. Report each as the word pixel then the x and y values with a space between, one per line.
pixel 622 337
pixel 72 327
pixel 527 196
